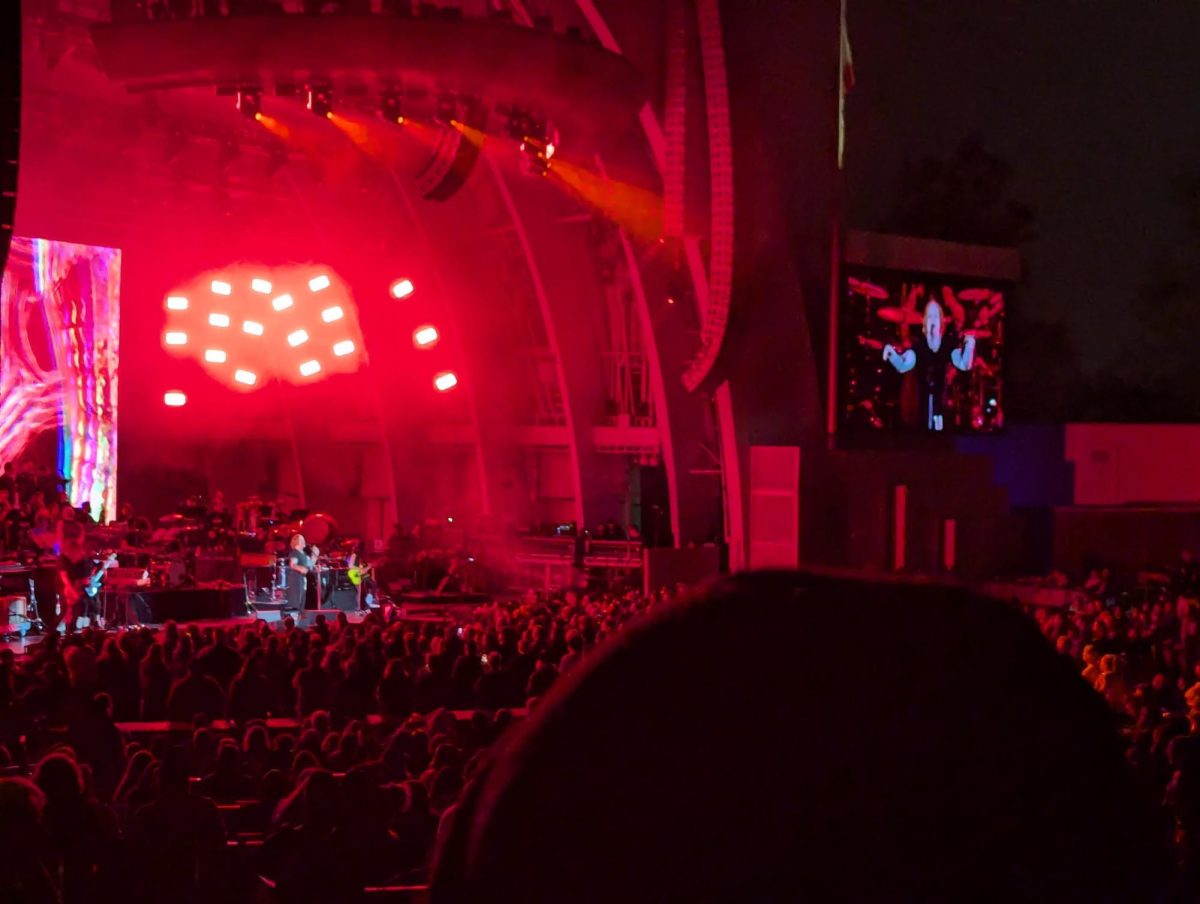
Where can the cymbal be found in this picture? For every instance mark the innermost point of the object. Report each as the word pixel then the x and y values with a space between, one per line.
pixel 870 343
pixel 899 315
pixel 866 289
pixel 975 294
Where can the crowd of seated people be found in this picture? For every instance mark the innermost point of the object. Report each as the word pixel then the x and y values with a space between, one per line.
pixel 1135 638
pixel 259 754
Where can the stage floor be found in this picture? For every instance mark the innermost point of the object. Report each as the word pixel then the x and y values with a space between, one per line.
pixel 424 611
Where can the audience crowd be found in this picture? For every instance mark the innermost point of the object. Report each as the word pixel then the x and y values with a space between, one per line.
pixel 263 755
pixel 238 761
pixel 1136 640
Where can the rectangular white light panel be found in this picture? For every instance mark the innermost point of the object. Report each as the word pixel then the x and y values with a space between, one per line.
pixel 317 283
pixel 343 348
pixel 215 319
pixel 176 338
pixel 282 303
pixel 176 303
pixel 329 315
pixel 214 356
pixel 245 376
pixel 262 286
pixel 308 368
pixel 253 327
pixel 220 287
pixel 299 337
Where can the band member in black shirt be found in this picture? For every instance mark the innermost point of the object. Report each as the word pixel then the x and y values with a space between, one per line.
pixel 930 356
pixel 299 565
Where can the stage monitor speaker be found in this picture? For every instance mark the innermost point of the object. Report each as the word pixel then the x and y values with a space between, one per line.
pixel 343 600
pixel 667 568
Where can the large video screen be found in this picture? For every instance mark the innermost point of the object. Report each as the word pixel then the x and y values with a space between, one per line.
pixel 920 352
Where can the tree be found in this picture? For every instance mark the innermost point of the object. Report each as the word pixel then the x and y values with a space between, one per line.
pixel 966 198
pixel 961 199
pixel 1168 309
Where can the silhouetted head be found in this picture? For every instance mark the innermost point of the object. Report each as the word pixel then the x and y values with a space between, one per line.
pixel 782 737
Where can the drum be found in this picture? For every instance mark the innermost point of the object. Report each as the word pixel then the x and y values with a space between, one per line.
pixel 319 529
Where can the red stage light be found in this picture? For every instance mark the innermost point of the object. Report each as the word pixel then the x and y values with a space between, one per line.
pixel 425 336
pixel 220 287
pixel 174 399
pixel 229 333
pixel 402 288
pixel 445 381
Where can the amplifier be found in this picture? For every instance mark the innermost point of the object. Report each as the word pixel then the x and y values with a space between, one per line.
pixel 345 600
pixel 125 578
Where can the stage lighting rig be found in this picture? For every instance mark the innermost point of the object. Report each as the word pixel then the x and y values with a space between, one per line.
pixel 320 100
pixel 391 107
pixel 249 102
pixel 536 139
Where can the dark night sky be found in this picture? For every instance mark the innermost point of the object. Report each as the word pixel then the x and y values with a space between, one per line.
pixel 1095 104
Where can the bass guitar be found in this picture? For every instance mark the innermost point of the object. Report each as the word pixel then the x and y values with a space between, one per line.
pixel 91 587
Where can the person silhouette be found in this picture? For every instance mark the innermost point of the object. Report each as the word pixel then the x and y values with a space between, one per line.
pixel 930 356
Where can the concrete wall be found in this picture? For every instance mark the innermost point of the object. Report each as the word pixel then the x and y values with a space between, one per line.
pixel 1116 464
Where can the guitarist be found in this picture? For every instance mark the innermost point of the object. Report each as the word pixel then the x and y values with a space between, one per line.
pixel 79 582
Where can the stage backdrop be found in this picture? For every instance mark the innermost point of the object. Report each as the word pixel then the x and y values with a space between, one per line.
pixel 59 346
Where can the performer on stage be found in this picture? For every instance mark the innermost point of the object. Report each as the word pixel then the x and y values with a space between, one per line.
pixel 76 570
pixel 931 357
pixel 299 565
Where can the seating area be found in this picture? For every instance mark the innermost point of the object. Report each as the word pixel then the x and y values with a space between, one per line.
pixel 305 749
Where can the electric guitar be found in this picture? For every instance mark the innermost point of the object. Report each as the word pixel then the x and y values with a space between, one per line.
pixel 91 587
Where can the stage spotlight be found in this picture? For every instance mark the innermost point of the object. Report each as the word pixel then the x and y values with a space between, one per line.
pixel 253 327
pixel 320 100
pixel 308 368
pixel 175 338
pixel 214 356
pixel 317 283
pixel 282 303
pixel 391 107
pixel 299 337
pixel 536 153
pixel 221 288
pixel 221 320
pixel 425 336
pixel 445 381
pixel 402 288
pixel 329 315
pixel 174 399
pixel 343 348
pixel 245 377
pixel 176 303
pixel 249 102
pixel 262 286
